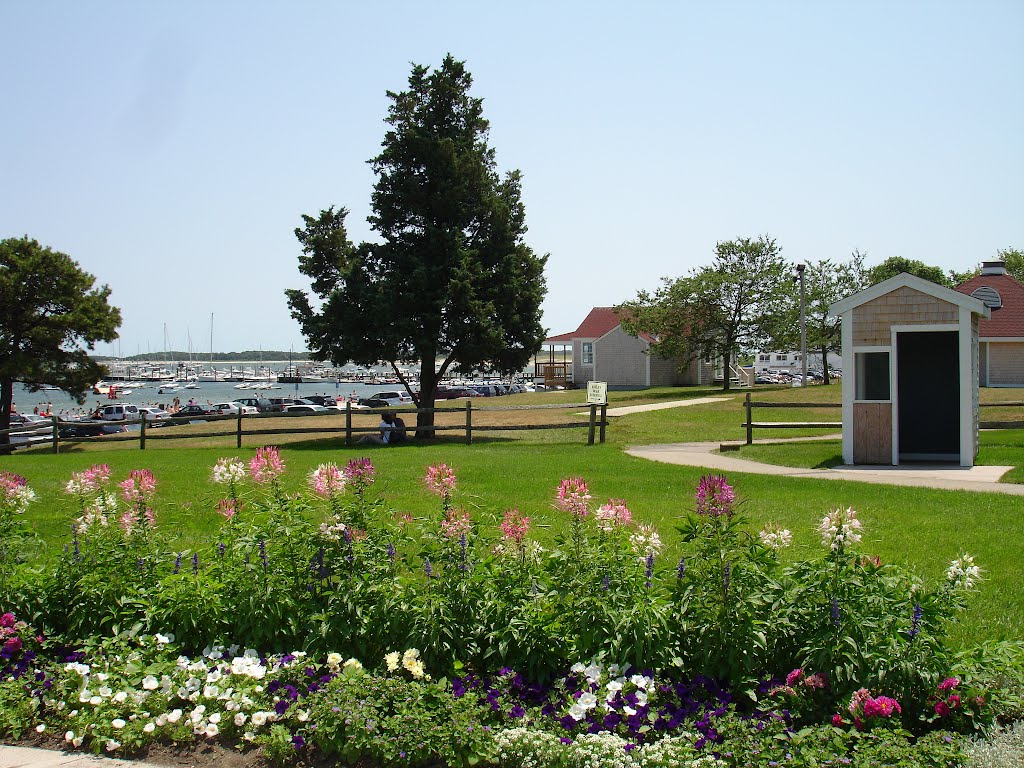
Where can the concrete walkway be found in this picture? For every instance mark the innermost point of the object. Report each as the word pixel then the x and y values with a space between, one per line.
pixel 30 757
pixel 925 476
pixel 625 410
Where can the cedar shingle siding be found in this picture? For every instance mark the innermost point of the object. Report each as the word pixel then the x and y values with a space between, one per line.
pixel 904 306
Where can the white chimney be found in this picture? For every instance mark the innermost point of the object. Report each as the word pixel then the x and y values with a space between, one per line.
pixel 995 267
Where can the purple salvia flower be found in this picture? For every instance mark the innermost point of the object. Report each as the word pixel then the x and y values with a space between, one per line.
pixel 681 568
pixel 649 568
pixel 392 552
pixel 427 569
pixel 263 553
pixel 177 563
pixel 726 577
pixel 605 582
pixel 463 566
pixel 221 548
pixel 836 613
pixel 195 563
pixel 142 565
pixel 915 622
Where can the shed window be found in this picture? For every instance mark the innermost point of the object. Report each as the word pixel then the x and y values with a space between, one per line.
pixel 872 376
pixel 588 353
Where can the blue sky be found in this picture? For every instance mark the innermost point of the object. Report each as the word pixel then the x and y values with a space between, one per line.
pixel 172 148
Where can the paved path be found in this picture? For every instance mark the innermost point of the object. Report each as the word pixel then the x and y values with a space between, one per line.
pixel 28 757
pixel 625 410
pixel 950 478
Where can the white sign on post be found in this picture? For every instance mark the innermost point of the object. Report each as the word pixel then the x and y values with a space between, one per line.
pixel 597 392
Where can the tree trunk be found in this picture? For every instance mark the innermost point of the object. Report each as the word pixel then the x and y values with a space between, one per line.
pixel 726 366
pixel 6 398
pixel 428 389
pixel 824 366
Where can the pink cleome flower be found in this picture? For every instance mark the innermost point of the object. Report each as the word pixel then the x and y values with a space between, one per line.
pixel 266 465
pixel 793 677
pixel 327 481
pixel 514 526
pixel 228 507
pixel 573 496
pixel 455 524
pixel 9 481
pixel 440 480
pixel 360 472
pixel 614 513
pixel 139 487
pixel 715 497
pixel 89 480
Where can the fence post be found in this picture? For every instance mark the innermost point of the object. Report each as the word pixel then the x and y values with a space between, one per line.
pixel 238 433
pixel 604 419
pixel 593 423
pixel 142 433
pixel 750 421
pixel 348 422
pixel 469 422
pixel 56 435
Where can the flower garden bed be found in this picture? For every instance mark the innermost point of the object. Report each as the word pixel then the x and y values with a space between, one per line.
pixel 326 626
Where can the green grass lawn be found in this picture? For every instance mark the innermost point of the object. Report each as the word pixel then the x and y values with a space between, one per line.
pixel 919 527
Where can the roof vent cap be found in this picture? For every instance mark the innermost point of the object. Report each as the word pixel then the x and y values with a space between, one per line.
pixel 995 267
pixel 989 296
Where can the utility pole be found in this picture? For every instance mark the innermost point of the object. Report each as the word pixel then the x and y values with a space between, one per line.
pixel 803 325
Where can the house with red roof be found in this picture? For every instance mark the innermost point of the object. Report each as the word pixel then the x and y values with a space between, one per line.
pixel 601 350
pixel 1000 337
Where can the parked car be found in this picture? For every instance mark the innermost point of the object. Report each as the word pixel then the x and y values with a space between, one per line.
pixel 233 409
pixel 277 404
pixel 43 429
pixel 487 390
pixel 261 404
pixel 194 412
pixel 120 412
pixel 328 401
pixel 373 402
pixel 306 408
pixel 153 416
pixel 90 429
pixel 393 398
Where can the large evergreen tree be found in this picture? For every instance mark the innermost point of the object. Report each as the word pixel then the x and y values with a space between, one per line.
pixel 718 310
pixel 451 285
pixel 50 315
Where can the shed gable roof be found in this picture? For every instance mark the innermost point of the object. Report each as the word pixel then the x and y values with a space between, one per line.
pixel 913 282
pixel 1007 320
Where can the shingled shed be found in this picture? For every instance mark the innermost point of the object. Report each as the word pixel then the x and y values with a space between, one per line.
pixel 910 373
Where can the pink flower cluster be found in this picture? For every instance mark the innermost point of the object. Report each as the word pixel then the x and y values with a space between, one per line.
pixel 864 708
pixel 327 481
pixel 455 524
pixel 89 480
pixel 440 480
pixel 798 680
pixel 715 497
pixel 515 526
pixel 10 481
pixel 229 507
pixel 14 492
pixel 10 642
pixel 574 496
pixel 614 513
pixel 360 473
pixel 267 465
pixel 139 487
pixel 138 491
pixel 948 700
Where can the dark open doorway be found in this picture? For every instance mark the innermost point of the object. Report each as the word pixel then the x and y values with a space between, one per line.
pixel 928 386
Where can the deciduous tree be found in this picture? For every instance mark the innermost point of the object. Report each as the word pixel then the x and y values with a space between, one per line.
pixel 50 316
pixel 896 264
pixel 451 284
pixel 718 310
